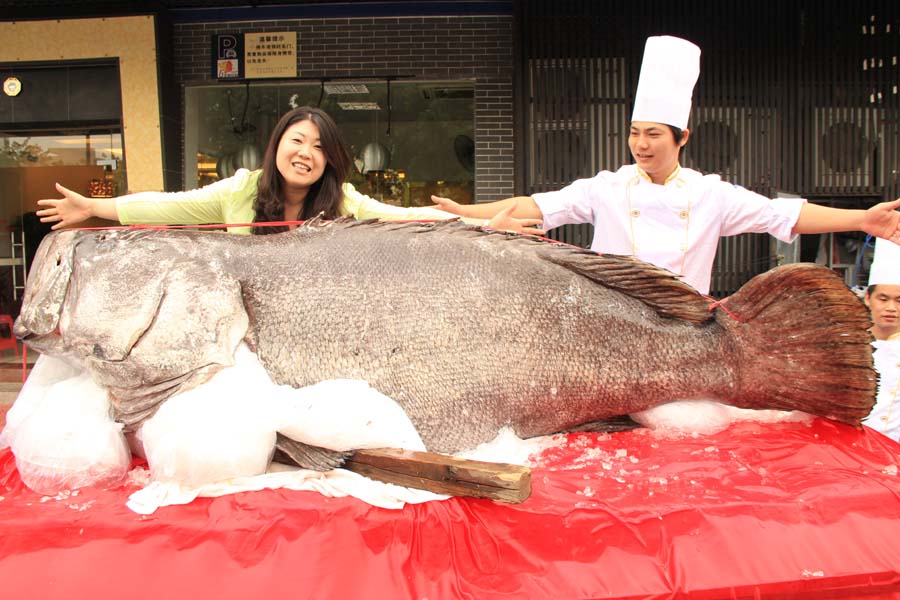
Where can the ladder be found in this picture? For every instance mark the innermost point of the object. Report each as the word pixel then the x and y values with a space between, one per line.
pixel 17 262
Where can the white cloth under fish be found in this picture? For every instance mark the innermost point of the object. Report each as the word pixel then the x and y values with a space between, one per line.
pixel 506 448
pixel 336 483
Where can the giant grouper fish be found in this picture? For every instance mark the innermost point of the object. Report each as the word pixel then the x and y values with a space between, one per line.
pixel 469 330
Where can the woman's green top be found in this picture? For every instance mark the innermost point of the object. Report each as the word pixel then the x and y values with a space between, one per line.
pixel 230 201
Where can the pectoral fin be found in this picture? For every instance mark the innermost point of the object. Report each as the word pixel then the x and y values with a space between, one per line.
pixel 290 451
pixel 610 425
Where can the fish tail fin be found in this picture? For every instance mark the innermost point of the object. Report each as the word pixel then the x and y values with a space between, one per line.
pixel 803 342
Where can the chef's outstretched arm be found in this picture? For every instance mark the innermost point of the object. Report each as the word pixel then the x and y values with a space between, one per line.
pixel 73 208
pixel 881 220
pixel 518 214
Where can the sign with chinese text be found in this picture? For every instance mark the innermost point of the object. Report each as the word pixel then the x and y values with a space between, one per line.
pixel 271 54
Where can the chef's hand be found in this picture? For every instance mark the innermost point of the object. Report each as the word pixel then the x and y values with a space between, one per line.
pixel 71 209
pixel 883 220
pixel 503 220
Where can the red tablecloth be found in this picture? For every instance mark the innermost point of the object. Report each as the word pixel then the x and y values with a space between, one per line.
pixel 759 510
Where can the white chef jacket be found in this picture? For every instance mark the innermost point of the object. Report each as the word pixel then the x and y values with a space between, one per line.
pixel 676 225
pixel 885 416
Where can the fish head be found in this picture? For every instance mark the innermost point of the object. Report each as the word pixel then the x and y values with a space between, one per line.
pixel 46 289
pixel 147 313
pixel 137 292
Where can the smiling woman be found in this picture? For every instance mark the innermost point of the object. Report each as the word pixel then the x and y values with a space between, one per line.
pixel 303 174
pixel 303 170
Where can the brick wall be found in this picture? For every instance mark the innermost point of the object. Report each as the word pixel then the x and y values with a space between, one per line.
pixel 478 48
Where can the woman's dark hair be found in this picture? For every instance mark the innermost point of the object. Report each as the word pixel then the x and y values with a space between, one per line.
pixel 325 195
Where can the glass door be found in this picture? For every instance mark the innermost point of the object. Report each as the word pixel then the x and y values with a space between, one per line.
pixel 89 161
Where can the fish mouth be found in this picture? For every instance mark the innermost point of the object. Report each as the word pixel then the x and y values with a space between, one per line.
pixel 20 331
pixel 47 343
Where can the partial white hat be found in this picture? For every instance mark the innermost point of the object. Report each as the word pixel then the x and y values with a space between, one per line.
pixel 886 264
pixel 669 72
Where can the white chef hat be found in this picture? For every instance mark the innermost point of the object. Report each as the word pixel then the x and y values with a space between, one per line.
pixel 670 69
pixel 886 264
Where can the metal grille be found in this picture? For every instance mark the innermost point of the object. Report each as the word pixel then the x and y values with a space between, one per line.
pixel 578 116
pixel 794 95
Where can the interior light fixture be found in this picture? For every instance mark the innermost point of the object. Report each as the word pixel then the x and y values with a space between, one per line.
pixel 335 89
pixel 359 105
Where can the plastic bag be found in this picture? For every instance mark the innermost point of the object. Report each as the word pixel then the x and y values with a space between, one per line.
pixel 61 432
pixel 707 417
pixel 45 372
pixel 344 414
pixel 222 429
pixel 226 427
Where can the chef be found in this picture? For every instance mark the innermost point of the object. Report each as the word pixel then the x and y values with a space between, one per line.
pixel 883 299
pixel 655 209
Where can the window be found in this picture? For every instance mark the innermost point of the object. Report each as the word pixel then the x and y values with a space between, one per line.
pixel 422 145
pixel 90 162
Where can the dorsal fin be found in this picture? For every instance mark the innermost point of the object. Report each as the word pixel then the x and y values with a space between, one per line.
pixel 319 221
pixel 656 287
pixel 348 221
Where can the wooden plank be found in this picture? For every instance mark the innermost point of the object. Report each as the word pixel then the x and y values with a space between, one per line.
pixel 444 474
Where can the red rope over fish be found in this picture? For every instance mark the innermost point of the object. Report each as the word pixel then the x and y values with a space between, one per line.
pixel 721 304
pixel 206 226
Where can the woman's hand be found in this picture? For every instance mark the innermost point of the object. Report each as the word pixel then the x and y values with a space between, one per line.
pixel 883 220
pixel 450 206
pixel 497 215
pixel 503 220
pixel 71 209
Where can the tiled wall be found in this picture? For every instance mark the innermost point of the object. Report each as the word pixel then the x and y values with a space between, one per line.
pixel 478 48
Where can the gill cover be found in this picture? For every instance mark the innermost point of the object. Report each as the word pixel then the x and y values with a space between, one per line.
pixel 149 317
